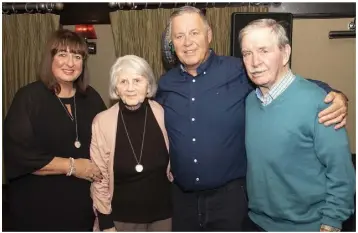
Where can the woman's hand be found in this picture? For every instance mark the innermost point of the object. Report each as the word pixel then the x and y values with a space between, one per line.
pixel 85 169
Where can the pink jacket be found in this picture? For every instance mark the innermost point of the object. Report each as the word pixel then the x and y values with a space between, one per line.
pixel 104 131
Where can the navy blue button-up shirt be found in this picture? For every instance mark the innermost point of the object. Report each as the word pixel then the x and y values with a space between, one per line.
pixel 205 121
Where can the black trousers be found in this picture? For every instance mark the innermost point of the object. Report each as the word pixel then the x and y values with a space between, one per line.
pixel 250 226
pixel 221 209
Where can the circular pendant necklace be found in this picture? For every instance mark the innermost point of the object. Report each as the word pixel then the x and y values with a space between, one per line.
pixel 77 143
pixel 139 167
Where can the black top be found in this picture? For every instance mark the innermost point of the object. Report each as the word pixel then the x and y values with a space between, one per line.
pixel 139 197
pixel 37 129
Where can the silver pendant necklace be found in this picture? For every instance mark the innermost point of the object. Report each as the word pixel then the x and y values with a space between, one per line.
pixel 77 143
pixel 139 167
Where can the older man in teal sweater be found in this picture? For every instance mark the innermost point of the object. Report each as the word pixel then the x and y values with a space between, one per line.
pixel 300 175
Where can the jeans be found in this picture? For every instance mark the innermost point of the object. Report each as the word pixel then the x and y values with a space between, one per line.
pixel 221 209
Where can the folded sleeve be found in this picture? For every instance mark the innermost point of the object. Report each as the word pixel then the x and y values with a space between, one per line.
pixel 100 191
pixel 23 153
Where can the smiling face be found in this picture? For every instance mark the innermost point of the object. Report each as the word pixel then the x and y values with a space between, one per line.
pixel 265 61
pixel 132 88
pixel 67 66
pixel 191 39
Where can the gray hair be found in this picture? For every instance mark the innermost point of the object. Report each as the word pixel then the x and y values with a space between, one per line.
pixel 131 64
pixel 276 27
pixel 184 10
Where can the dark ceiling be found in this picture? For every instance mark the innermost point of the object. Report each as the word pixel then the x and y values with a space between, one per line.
pixel 98 13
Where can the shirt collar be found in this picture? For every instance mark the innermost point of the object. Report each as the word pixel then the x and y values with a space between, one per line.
pixel 203 66
pixel 276 89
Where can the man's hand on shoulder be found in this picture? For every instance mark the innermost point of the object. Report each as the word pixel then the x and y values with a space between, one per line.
pixel 337 112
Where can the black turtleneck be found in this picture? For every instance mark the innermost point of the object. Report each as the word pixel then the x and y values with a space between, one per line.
pixel 139 197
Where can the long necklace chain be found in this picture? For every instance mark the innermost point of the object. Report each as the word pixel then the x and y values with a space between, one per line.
pixel 77 142
pixel 130 143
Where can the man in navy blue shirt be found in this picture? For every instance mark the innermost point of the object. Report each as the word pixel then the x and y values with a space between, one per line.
pixel 204 104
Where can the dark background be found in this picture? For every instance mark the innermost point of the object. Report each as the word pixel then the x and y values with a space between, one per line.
pixel 98 13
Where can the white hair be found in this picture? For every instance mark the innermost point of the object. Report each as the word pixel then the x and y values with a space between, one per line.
pixel 276 27
pixel 131 64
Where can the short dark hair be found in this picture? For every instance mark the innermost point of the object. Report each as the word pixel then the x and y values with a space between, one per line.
pixel 61 40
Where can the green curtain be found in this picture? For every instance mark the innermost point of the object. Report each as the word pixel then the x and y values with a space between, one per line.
pixel 23 38
pixel 139 32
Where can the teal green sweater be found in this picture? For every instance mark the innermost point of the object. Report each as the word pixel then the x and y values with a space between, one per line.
pixel 300 174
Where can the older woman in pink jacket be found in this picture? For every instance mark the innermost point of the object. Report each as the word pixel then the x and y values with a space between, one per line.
pixel 130 147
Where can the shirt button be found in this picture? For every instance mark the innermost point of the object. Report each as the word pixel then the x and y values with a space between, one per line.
pixel 195 161
pixel 192 99
pixel 194 139
pixel 193 119
pixel 194 81
pixel 197 179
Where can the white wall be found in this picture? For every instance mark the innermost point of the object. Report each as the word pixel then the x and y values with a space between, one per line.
pixel 333 61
